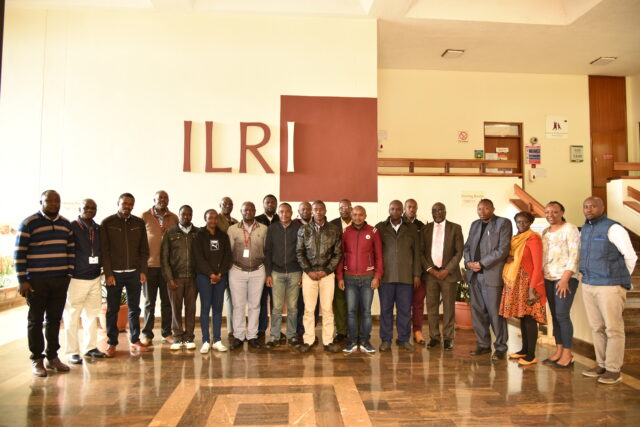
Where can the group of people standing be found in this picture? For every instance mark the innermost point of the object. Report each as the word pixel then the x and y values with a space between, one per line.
pixel 315 266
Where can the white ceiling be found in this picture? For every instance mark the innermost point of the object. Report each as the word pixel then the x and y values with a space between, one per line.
pixel 532 36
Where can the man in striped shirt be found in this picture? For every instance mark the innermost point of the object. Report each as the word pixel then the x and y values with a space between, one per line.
pixel 44 259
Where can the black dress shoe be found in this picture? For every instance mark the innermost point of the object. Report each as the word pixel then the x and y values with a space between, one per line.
pixel 272 344
pixel 95 353
pixel 479 351
pixel 499 355
pixel 75 359
pixel 304 348
pixel 448 345
pixel 433 343
pixel 236 343
pixel 254 343
pixel 283 338
pixel 339 339
pixel 332 348
pixel 295 342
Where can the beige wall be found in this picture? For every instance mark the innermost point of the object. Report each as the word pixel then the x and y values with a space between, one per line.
pixel 422 111
pixel 633 117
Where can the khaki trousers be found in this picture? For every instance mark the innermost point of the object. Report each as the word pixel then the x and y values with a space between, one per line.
pixel 604 306
pixel 310 290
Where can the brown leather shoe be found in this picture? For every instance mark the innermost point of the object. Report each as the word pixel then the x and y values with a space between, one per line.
pixel 37 367
pixel 110 351
pixel 56 365
pixel 418 338
pixel 137 346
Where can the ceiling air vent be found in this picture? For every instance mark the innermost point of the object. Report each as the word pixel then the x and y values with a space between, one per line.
pixel 603 60
pixel 452 53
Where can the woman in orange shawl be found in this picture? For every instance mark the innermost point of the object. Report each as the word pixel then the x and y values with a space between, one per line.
pixel 523 295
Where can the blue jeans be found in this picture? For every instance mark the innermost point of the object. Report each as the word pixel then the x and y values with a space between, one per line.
pixel 560 311
pixel 285 285
pixel 263 320
pixel 131 282
pixel 211 299
pixel 359 294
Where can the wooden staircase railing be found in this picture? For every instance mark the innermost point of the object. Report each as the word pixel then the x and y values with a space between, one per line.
pixel 628 167
pixel 447 164
pixel 526 202
pixel 634 194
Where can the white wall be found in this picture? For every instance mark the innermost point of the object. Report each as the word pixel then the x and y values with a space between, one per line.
pixel 94 101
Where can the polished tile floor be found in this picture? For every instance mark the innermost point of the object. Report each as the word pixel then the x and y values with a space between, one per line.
pixel 281 387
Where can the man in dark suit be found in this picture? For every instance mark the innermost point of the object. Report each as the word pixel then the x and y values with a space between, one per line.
pixel 442 246
pixel 485 253
pixel 270 203
pixel 339 299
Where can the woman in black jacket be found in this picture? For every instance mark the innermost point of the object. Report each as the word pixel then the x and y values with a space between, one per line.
pixel 212 253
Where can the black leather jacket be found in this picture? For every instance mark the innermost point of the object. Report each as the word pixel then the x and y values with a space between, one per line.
pixel 319 250
pixel 176 253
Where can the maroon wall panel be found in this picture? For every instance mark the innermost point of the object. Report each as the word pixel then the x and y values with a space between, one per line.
pixel 335 148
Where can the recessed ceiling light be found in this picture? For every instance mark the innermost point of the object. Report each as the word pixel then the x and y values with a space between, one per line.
pixel 603 60
pixel 452 53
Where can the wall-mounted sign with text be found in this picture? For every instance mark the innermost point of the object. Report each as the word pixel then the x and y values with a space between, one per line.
pixel 557 127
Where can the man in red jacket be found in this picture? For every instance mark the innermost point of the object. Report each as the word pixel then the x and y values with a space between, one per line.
pixel 359 274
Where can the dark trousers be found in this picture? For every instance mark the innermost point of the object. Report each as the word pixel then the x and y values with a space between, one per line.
pixel 359 296
pixel 155 283
pixel 184 296
pixel 436 288
pixel 529 331
pixel 340 310
pixel 398 294
pixel 300 327
pixel 485 307
pixel 48 298
pixel 263 320
pixel 561 311
pixel 211 301
pixel 417 308
pixel 131 282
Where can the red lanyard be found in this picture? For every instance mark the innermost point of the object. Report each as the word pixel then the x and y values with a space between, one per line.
pixel 247 237
pixel 91 233
pixel 160 224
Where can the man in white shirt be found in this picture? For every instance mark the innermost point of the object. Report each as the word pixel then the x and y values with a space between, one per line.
pixel 442 247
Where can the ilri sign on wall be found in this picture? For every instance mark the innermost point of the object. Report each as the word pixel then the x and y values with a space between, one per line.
pixel 328 148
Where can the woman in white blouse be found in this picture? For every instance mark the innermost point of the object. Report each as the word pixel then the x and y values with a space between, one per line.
pixel 561 251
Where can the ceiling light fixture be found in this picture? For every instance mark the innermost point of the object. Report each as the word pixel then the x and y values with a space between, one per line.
pixel 603 60
pixel 452 53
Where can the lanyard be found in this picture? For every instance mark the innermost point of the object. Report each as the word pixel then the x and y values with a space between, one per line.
pixel 247 237
pixel 91 233
pixel 157 218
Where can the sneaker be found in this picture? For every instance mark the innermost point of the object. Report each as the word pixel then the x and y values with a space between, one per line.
pixel 350 348
pixel 190 345
pixel 168 339
pixel 218 346
pixel 145 340
pixel 407 346
pixel 366 347
pixel 594 372
pixel 205 348
pixel 295 342
pixel 273 344
pixel 385 346
pixel 177 345
pixel 610 377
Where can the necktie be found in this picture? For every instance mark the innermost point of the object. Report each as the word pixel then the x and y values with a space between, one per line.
pixel 438 246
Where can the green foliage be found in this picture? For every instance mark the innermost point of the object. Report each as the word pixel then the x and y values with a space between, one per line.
pixel 7 271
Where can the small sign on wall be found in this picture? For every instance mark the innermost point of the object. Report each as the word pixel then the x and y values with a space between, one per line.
pixel 533 155
pixel 576 153
pixel 478 154
pixel 463 136
pixel 471 198
pixel 557 127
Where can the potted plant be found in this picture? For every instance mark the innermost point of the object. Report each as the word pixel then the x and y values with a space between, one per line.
pixel 463 309
pixel 123 314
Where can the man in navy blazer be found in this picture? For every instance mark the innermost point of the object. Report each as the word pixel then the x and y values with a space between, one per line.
pixel 485 253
